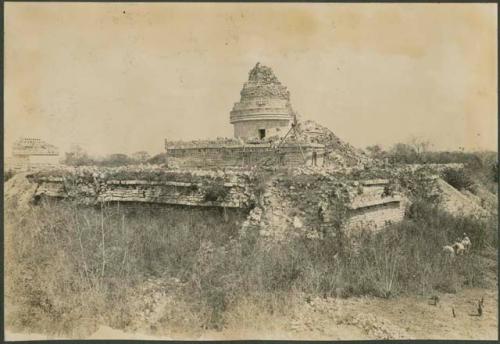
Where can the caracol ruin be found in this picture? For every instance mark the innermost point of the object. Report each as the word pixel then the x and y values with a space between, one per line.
pixel 265 132
pixel 281 175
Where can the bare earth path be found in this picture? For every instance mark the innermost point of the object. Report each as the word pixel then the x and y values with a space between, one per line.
pixel 353 318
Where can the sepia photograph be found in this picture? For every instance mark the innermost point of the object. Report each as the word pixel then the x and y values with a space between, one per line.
pixel 250 171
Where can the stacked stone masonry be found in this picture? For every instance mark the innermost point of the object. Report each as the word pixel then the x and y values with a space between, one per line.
pixel 168 193
pixel 316 204
pixel 264 108
pixel 366 205
pixel 245 156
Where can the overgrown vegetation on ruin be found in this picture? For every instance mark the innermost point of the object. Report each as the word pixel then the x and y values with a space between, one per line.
pixel 89 262
pixel 482 167
pixel 216 191
pixel 459 179
pixel 90 174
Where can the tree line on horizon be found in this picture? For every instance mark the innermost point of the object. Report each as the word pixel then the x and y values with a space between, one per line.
pixel 79 157
pixel 482 165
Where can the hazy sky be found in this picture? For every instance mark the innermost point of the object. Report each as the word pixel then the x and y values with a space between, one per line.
pixel 123 77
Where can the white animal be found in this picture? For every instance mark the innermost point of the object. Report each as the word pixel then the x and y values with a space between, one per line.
pixel 449 251
pixel 466 243
pixel 459 248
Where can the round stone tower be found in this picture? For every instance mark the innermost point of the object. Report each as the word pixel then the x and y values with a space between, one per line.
pixel 264 109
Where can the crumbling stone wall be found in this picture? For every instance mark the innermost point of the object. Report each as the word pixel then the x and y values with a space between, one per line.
pixel 250 155
pixel 232 191
pixel 316 205
pixel 374 205
pixel 280 203
pixel 375 215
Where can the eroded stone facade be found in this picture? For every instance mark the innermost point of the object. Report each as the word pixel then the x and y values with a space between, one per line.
pixel 279 205
pixel 265 154
pixel 32 154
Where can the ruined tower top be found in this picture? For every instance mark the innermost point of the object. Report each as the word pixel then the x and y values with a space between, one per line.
pixel 262 74
pixel 264 108
pixel 263 83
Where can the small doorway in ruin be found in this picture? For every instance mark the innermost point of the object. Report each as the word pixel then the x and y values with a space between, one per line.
pixel 314 158
pixel 262 133
pixel 281 158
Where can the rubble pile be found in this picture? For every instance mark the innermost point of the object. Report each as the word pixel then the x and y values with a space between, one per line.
pixel 317 314
pixel 375 327
pixel 152 301
pixel 252 221
pixel 338 152
pixel 262 83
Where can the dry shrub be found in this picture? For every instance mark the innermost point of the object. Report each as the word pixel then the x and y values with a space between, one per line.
pixel 458 178
pixel 215 192
pixel 68 267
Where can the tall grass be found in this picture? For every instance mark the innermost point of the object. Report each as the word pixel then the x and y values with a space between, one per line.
pixel 70 268
pixel 69 264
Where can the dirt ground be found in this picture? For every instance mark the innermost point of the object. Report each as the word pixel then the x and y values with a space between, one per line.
pixel 372 318
pixel 350 319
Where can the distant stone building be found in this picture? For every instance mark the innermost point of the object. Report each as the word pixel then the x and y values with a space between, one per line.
pixel 264 108
pixel 32 154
